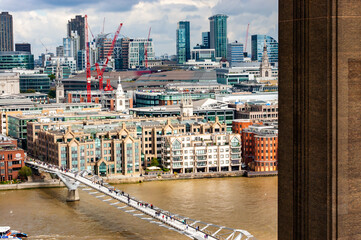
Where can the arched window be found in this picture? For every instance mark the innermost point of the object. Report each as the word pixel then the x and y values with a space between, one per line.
pixel 266 74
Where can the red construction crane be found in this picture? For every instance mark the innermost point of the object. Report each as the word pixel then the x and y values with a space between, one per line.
pixel 110 52
pixel 146 50
pixel 88 71
pixel 108 87
pixel 245 46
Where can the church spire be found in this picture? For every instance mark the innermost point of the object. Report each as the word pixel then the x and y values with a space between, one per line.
pixel 265 67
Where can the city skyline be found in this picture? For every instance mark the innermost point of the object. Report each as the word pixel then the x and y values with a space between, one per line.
pixel 48 20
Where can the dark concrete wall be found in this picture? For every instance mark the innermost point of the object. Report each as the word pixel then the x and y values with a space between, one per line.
pixel 319 119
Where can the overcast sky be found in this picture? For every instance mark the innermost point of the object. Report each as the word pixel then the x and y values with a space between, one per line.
pixel 46 20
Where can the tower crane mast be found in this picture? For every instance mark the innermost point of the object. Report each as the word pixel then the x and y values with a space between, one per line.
pixel 146 49
pixel 100 72
pixel 245 46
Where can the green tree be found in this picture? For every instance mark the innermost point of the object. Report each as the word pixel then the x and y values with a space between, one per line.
pixel 30 90
pixel 52 93
pixel 25 172
pixel 154 162
pixel 51 77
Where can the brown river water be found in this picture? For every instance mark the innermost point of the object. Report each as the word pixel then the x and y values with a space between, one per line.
pixel 243 203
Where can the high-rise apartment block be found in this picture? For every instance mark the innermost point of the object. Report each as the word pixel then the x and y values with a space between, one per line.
pixel 23 47
pixel 235 53
pixel 258 42
pixel 183 42
pixel 6 32
pixel 77 24
pixel 218 34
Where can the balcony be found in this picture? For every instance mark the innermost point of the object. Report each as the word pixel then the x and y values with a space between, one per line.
pixel 236 146
pixel 202 164
pixel 235 162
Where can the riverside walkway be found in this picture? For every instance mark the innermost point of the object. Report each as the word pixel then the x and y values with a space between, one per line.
pixel 194 229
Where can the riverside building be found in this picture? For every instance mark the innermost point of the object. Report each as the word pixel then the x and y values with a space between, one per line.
pixel 11 158
pixel 105 151
pixel 209 152
pixel 150 131
pixel 260 147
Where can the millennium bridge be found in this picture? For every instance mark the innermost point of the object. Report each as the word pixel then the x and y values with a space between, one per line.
pixel 95 186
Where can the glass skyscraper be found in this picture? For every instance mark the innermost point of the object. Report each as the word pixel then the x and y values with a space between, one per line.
pixel 183 42
pixel 218 34
pixel 257 48
pixel 235 53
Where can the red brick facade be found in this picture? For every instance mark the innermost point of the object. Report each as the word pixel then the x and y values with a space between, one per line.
pixel 11 161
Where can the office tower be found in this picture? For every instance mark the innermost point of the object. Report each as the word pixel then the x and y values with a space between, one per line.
pixel 60 51
pixel 205 40
pixel 81 60
pixel 136 56
pixel 183 42
pixel 6 32
pixel 23 47
pixel 235 53
pixel 72 45
pixel 77 24
pixel 117 54
pixel 124 62
pixel 103 44
pixel 257 48
pixel 218 34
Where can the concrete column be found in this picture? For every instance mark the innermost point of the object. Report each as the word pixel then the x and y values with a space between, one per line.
pixel 73 195
pixel 319 119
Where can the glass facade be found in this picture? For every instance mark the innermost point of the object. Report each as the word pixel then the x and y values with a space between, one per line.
pixel 38 82
pixel 136 57
pixel 10 60
pixel 218 34
pixel 257 48
pixel 81 60
pixel 235 53
pixel 205 40
pixel 66 70
pixel 183 42
pixel 202 54
pixel 149 100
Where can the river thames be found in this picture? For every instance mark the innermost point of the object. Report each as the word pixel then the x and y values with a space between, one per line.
pixel 245 203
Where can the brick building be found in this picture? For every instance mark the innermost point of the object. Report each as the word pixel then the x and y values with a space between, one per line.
pixel 256 110
pixel 11 158
pixel 260 147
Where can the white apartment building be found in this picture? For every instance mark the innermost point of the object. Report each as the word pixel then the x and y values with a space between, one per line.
pixel 210 152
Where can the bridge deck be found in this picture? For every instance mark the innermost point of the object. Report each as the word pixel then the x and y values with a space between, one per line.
pixel 163 218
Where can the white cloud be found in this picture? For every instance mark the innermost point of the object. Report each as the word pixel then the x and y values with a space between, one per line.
pixel 37 20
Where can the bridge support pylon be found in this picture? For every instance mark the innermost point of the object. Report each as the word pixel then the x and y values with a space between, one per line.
pixel 73 195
